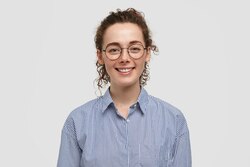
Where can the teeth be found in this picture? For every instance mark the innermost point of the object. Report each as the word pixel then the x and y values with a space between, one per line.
pixel 124 69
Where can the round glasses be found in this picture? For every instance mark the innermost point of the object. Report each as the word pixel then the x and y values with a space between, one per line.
pixel 113 51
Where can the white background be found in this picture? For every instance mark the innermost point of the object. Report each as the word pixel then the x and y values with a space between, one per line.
pixel 47 68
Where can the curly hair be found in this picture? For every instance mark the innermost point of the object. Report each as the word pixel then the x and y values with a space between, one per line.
pixel 129 15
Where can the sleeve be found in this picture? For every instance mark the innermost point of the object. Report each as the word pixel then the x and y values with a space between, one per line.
pixel 181 151
pixel 70 152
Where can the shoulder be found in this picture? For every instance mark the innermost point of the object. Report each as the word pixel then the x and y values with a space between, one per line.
pixel 169 114
pixel 86 108
pixel 164 106
pixel 80 115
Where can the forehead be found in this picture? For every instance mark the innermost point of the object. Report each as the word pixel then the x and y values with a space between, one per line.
pixel 123 34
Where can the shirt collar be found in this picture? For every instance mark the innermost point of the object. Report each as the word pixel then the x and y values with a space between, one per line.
pixel 106 100
pixel 142 100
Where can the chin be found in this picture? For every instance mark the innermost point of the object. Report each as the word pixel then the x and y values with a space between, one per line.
pixel 127 83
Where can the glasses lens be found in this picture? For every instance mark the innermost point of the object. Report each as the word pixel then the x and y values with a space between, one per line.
pixel 136 51
pixel 113 51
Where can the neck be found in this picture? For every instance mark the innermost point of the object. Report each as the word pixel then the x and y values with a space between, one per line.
pixel 125 96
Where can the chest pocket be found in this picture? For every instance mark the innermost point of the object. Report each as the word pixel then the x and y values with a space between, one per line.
pixel 153 155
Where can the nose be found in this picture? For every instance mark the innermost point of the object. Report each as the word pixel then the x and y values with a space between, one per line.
pixel 124 55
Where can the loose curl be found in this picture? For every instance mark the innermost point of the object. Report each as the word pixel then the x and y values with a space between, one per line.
pixel 129 15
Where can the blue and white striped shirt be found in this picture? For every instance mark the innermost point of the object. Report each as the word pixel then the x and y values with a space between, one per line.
pixel 155 134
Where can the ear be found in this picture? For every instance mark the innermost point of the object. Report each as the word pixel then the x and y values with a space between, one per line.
pixel 148 54
pixel 99 57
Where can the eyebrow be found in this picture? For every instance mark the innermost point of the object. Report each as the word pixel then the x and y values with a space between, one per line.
pixel 117 43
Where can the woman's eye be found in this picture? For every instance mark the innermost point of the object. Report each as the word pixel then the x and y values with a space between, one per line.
pixel 113 50
pixel 135 49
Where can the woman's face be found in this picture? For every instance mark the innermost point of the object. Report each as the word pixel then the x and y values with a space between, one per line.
pixel 124 71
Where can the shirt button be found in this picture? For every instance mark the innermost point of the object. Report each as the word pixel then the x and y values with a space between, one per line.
pixel 127 120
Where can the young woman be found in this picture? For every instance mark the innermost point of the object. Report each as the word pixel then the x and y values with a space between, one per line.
pixel 126 127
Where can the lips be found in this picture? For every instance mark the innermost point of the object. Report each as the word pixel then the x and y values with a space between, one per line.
pixel 125 70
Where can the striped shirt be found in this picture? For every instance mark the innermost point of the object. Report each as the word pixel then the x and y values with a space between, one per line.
pixel 155 134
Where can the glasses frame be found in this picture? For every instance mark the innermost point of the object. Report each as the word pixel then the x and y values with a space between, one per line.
pixel 144 48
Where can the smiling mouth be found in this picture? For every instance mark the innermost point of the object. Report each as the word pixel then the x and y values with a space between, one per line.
pixel 124 70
